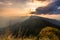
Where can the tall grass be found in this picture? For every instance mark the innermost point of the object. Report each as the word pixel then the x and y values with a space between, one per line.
pixel 47 33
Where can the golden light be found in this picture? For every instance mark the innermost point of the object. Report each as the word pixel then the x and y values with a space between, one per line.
pixel 33 9
pixel 26 9
pixel 35 4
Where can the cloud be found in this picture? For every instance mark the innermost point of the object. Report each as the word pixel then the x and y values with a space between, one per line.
pixel 52 8
pixel 6 3
pixel 21 1
pixel 13 3
pixel 45 0
pixel 58 8
pixel 1 2
pixel 41 0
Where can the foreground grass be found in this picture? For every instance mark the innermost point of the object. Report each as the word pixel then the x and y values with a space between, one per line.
pixel 47 33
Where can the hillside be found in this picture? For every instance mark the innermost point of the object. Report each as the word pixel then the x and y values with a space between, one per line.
pixel 32 27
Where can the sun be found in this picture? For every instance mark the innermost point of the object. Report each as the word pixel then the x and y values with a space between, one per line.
pixel 33 9
pixel 36 4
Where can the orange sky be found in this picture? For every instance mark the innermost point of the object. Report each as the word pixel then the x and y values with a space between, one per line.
pixel 24 11
pixel 14 12
pixel 10 10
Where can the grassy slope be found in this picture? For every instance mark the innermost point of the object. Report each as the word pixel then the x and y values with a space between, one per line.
pixel 33 27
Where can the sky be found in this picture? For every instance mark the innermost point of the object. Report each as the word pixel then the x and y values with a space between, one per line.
pixel 10 9
pixel 52 8
pixel 21 7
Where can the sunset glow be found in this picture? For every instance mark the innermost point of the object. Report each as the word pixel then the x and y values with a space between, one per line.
pixel 35 4
pixel 10 8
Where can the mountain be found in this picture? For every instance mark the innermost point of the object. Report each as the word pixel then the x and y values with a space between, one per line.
pixel 30 27
pixel 4 21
